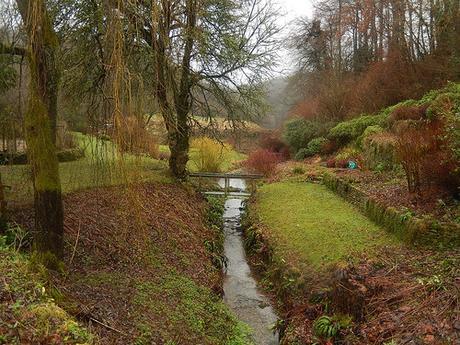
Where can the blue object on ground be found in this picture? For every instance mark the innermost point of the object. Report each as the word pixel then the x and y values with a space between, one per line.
pixel 352 165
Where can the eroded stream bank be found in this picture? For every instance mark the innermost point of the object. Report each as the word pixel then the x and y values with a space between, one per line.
pixel 240 287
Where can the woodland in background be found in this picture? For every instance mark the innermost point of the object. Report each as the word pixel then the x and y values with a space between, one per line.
pixel 360 56
pixel 363 69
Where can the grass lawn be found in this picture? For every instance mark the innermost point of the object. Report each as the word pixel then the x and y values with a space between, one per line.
pixel 313 227
pixel 101 166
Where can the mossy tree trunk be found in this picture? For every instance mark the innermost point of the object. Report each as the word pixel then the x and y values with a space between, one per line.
pixel 3 215
pixel 178 142
pixel 173 96
pixel 40 127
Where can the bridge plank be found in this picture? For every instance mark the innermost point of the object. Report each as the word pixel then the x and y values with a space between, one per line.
pixel 226 175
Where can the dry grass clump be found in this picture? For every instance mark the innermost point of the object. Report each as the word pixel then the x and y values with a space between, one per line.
pixel 209 154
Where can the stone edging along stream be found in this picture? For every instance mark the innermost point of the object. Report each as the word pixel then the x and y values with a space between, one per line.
pixel 288 284
pixel 411 229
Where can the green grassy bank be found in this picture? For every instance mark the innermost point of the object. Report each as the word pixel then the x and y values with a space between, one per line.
pixel 311 226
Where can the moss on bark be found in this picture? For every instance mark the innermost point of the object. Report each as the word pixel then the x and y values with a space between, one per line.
pixel 40 126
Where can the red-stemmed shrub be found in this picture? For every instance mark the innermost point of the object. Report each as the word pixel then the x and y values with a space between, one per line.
pixel 262 162
pixel 341 163
pixel 337 163
pixel 423 155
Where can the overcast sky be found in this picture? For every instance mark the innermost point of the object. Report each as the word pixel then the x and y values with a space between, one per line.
pixel 295 8
pixel 292 9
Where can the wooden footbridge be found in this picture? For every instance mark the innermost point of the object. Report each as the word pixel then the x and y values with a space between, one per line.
pixel 227 177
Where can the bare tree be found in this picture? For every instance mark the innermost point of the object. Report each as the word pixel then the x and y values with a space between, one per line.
pixel 208 56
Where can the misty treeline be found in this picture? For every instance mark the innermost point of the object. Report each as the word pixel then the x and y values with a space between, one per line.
pixel 104 64
pixel 357 56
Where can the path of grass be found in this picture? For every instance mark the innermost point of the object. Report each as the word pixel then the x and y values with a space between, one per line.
pixel 313 226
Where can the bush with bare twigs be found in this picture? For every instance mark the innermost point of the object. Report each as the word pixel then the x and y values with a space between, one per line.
pixel 133 138
pixel 262 161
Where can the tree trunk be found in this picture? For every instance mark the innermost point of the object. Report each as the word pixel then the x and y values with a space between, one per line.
pixel 179 146
pixel 40 129
pixel 174 103
pixel 3 214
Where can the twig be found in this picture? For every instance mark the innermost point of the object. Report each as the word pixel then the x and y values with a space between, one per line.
pixel 76 243
pixel 107 326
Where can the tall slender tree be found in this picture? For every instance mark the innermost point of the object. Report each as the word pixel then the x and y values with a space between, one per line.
pixel 3 214
pixel 40 127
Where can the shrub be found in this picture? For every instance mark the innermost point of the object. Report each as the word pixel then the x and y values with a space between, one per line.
pixel 417 149
pixel 330 146
pixel 302 154
pixel 299 132
pixel 446 107
pixel 314 147
pixel 331 163
pixel 67 155
pixel 70 155
pixel 13 158
pixel 262 161
pixel 379 151
pixel 407 112
pixel 209 154
pixel 347 131
pixel 428 139
pixel 337 163
pixel 133 138
pixel 369 131
pixel 348 153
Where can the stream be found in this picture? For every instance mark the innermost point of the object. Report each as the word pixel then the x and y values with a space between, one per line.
pixel 241 293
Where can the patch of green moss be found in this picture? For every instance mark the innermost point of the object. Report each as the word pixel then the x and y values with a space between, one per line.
pixel 48 260
pixel 185 309
pixel 30 302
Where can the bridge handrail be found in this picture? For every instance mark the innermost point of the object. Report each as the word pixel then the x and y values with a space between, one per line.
pixel 226 175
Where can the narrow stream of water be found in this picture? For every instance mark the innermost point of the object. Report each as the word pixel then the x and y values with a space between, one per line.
pixel 240 288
